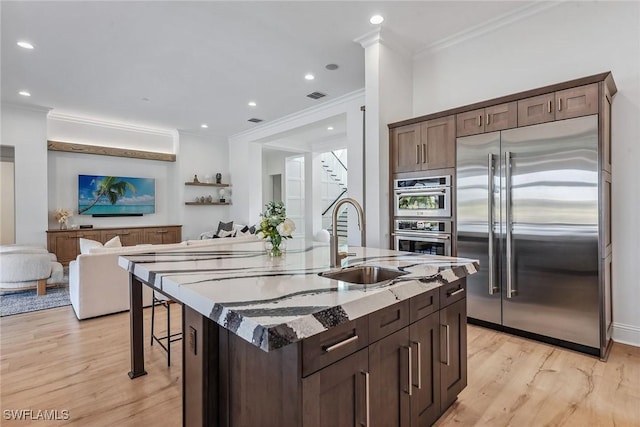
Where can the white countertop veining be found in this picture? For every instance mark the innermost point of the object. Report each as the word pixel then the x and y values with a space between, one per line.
pixel 272 302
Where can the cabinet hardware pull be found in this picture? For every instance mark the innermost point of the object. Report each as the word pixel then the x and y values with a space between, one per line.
pixel 549 107
pixel 456 292
pixel 410 376
pixel 366 396
pixel 424 153
pixel 448 360
pixel 340 344
pixel 417 154
pixel 488 119
pixel 479 120
pixel 419 367
pixel 559 104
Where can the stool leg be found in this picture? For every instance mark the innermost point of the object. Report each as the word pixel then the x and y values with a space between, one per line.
pixel 168 334
pixel 153 316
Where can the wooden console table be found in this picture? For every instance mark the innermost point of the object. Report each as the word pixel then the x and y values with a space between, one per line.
pixel 66 243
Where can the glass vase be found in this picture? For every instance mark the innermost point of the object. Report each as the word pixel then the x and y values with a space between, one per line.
pixel 63 225
pixel 274 246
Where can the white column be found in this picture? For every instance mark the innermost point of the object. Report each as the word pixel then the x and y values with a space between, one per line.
pixel 313 197
pixel 388 98
pixel 245 177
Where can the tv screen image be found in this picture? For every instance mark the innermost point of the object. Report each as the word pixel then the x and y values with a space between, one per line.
pixel 115 195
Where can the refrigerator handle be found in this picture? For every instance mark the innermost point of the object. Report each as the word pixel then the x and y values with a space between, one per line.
pixel 509 224
pixel 490 173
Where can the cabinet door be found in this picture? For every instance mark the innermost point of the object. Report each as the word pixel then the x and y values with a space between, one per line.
pixel 128 237
pixel 154 236
pixel 539 109
pixel 390 381
pixel 172 235
pixel 337 394
pixel 576 102
pixel 406 148
pixel 439 143
pixel 425 399
pixel 499 117
pixel 470 123
pixel 453 352
pixel 64 245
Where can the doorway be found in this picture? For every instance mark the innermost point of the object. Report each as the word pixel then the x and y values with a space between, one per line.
pixel 7 192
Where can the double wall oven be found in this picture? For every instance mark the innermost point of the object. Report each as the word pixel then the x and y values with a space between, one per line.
pixel 422 215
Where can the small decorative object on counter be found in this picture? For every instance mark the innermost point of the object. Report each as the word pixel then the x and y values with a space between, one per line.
pixel 197 199
pixel 274 227
pixel 195 178
pixel 218 178
pixel 222 193
pixel 62 215
pixel 201 199
pixel 209 198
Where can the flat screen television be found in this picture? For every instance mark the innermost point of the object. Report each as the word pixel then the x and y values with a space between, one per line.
pixel 116 195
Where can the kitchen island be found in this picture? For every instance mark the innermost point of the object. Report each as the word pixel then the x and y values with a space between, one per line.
pixel 267 341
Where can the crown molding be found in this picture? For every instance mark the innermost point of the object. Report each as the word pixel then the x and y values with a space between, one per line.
pixel 383 37
pixel 257 132
pixel 488 26
pixel 26 107
pixel 111 125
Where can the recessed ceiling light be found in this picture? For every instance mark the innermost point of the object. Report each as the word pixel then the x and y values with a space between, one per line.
pixel 376 19
pixel 331 67
pixel 25 45
pixel 252 104
pixel 24 93
pixel 145 99
pixel 330 128
pixel 309 76
pixel 204 126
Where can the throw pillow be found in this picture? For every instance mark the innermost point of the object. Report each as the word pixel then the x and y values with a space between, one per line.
pixel 226 226
pixel 252 229
pixel 225 233
pixel 87 244
pixel 113 243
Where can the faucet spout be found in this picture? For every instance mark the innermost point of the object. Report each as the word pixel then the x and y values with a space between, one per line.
pixel 335 256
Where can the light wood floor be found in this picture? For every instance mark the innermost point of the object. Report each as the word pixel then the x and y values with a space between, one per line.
pixel 49 360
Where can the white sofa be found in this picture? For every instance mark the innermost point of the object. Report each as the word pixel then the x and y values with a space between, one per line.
pixel 24 267
pixel 98 286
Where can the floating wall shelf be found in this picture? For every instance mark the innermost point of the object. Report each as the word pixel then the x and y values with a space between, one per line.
pixel 206 184
pixel 206 203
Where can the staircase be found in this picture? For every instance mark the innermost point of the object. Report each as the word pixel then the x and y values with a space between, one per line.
pixel 336 174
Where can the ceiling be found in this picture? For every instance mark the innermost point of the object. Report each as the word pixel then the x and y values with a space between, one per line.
pixel 178 64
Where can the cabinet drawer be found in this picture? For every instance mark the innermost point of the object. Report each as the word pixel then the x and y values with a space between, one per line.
pixel 452 292
pixel 323 349
pixel 388 320
pixel 424 304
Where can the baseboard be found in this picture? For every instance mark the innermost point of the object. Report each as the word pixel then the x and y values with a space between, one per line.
pixel 626 334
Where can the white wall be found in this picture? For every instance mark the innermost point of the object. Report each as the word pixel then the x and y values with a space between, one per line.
pixel 567 41
pixel 64 168
pixel 204 156
pixel 7 203
pixel 26 130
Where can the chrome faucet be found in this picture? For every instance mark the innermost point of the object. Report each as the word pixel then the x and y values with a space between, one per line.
pixel 336 257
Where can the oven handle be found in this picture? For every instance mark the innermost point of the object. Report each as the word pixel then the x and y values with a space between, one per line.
pixel 423 236
pixel 426 192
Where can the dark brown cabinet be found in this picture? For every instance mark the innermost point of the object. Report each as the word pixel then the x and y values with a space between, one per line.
pixel 66 243
pixel 453 352
pixel 564 104
pixel 400 366
pixel 337 394
pixel 489 119
pixel 424 146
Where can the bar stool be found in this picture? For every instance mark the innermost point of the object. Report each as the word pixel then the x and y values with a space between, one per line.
pixel 159 299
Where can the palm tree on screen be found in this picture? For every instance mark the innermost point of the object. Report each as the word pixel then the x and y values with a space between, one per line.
pixel 112 188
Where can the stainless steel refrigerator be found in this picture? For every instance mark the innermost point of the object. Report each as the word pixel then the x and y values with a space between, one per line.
pixel 528 207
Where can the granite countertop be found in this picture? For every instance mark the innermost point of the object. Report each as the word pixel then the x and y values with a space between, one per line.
pixel 273 302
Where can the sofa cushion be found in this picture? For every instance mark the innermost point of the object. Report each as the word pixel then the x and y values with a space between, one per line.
pixel 113 243
pixel 226 226
pixel 87 244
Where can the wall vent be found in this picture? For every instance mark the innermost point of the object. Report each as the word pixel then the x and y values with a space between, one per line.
pixel 316 95
pixel 254 120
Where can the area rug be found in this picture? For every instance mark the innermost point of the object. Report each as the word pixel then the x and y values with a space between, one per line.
pixel 25 301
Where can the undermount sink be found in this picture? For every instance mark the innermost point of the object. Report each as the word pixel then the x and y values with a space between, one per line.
pixel 363 275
